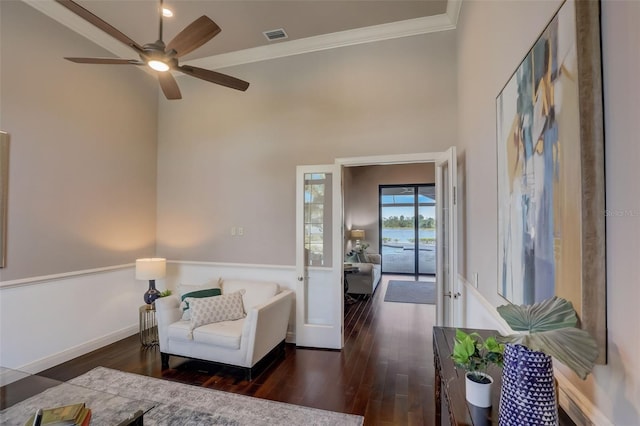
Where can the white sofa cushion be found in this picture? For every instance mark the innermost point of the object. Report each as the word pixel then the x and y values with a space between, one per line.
pixel 207 310
pixel 179 330
pixel 226 334
pixel 256 292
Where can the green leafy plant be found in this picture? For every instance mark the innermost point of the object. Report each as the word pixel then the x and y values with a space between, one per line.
pixel 359 250
pixel 165 293
pixel 474 354
pixel 362 248
pixel 551 327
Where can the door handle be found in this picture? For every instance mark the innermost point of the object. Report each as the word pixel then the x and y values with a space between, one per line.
pixel 300 279
pixel 448 294
pixel 455 296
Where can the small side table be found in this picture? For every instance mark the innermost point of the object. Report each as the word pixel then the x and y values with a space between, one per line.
pixel 148 325
pixel 349 270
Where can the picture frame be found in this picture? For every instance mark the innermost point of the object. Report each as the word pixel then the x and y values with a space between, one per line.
pixel 4 195
pixel 550 161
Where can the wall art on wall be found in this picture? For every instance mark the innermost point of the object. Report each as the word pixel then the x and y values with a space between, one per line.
pixel 550 156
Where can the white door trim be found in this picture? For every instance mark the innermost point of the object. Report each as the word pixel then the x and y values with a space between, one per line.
pixel 425 157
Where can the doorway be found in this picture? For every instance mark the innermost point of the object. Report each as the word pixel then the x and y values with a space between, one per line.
pixel 407 229
pixel 319 290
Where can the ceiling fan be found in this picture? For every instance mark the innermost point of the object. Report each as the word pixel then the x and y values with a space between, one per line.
pixel 160 57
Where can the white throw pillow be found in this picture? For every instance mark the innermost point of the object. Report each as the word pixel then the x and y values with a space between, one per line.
pixel 185 289
pixel 257 292
pixel 207 310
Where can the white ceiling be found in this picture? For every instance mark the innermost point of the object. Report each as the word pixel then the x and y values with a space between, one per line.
pixel 310 24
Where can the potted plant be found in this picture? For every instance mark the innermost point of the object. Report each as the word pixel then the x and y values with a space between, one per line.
pixel 359 253
pixel 165 293
pixel 546 329
pixel 474 354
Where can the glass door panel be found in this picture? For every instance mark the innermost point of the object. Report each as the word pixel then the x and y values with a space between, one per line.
pixel 427 230
pixel 397 229
pixel 317 243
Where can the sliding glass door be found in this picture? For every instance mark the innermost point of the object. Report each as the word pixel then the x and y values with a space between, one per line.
pixel 407 229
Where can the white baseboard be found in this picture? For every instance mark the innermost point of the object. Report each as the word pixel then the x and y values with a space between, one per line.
pixel 76 351
pixel 581 410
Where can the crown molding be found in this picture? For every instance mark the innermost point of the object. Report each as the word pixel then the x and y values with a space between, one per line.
pixel 410 27
pixel 453 11
pixel 72 21
pixel 335 40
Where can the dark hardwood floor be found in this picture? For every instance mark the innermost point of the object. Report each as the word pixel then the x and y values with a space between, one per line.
pixel 385 371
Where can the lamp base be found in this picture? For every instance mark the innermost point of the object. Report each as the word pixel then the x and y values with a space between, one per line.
pixel 152 294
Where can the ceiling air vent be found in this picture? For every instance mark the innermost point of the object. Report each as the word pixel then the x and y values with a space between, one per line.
pixel 274 35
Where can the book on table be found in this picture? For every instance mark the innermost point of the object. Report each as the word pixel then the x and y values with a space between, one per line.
pixel 71 415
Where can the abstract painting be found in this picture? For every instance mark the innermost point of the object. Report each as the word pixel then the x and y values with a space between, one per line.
pixel 551 169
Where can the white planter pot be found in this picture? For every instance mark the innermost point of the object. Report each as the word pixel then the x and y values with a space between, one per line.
pixel 479 394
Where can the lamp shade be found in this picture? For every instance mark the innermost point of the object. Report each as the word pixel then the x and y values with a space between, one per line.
pixel 357 234
pixel 151 268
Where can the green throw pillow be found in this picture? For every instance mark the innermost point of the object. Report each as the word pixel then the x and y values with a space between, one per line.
pixel 208 292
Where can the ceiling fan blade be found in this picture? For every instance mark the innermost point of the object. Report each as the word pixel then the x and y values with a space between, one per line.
pixel 214 77
pixel 193 36
pixel 98 22
pixel 169 86
pixel 107 61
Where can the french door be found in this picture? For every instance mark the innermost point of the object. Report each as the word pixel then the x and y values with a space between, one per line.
pixel 320 294
pixel 448 309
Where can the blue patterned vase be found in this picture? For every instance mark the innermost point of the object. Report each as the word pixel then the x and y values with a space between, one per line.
pixel 528 394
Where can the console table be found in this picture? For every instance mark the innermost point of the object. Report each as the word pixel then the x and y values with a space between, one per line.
pixel 449 386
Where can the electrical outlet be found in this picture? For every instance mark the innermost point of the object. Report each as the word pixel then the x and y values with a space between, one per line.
pixel 233 231
pixel 240 231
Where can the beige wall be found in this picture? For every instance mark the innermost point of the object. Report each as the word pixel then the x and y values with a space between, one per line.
pixel 228 158
pixel 83 148
pixel 493 36
pixel 361 194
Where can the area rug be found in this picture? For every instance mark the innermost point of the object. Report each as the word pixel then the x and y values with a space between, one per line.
pixel 411 292
pixel 171 403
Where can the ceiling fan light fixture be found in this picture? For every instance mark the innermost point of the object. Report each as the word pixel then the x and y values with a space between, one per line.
pixel 159 56
pixel 158 65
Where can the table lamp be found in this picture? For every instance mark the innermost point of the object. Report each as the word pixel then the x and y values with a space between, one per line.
pixel 151 269
pixel 357 234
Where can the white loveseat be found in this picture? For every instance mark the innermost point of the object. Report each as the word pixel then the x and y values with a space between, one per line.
pixel 241 342
pixel 368 276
